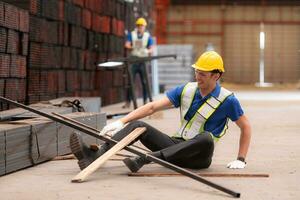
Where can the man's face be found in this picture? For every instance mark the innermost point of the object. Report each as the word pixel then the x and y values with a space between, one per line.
pixel 205 79
pixel 140 28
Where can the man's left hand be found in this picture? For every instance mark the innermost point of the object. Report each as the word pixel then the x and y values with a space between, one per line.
pixel 237 164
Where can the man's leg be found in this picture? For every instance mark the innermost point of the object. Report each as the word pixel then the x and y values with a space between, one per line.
pixel 129 95
pixel 151 138
pixel 143 76
pixel 84 154
pixel 195 153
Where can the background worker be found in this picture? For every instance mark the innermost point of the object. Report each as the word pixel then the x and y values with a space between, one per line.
pixel 140 43
pixel 205 108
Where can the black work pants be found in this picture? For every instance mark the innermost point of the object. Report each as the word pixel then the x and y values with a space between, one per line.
pixel 140 69
pixel 195 153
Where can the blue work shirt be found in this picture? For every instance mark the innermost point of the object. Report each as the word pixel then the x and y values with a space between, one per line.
pixel 150 40
pixel 230 108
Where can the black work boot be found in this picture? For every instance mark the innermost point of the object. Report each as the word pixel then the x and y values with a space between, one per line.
pixel 83 153
pixel 136 163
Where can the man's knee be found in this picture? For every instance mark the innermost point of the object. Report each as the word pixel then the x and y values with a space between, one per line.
pixel 204 139
pixel 136 124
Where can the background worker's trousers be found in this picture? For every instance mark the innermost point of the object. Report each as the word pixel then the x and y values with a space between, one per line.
pixel 140 69
pixel 195 153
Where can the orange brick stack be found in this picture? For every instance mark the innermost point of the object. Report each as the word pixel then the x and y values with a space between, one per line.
pixel 48 49
pixel 14 29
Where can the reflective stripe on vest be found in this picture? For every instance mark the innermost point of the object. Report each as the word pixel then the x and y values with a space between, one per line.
pixel 139 45
pixel 190 129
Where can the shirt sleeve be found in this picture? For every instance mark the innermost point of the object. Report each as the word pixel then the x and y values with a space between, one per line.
pixel 235 110
pixel 150 42
pixel 174 95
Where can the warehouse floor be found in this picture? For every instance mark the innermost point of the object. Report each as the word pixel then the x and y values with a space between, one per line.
pixel 275 150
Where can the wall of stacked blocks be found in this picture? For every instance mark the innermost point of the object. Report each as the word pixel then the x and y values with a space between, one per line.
pixel 48 48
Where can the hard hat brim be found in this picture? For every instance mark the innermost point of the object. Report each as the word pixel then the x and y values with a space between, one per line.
pixel 204 69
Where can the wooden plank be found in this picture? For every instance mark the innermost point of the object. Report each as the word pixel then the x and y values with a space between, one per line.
pixel 229 175
pixel 64 157
pixel 102 159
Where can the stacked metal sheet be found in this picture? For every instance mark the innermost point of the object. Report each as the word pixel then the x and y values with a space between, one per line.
pixel 64 132
pixel 43 140
pixel 17 147
pixel 89 104
pixel 25 143
pixel 101 122
pixel 2 152
pixel 95 120
pixel 19 113
pixel 175 72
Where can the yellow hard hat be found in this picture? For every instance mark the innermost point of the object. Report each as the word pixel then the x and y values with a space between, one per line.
pixel 141 21
pixel 209 61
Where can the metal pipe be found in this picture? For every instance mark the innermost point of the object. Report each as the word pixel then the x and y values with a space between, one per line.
pixel 130 149
pixel 89 127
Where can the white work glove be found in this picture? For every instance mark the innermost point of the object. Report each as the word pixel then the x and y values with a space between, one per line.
pixel 112 128
pixel 146 52
pixel 237 164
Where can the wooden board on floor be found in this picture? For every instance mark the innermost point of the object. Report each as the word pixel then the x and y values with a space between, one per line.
pixel 112 151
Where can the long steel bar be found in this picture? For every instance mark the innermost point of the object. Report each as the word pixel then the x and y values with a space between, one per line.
pixel 130 149
pixel 135 59
pixel 172 174
pixel 89 127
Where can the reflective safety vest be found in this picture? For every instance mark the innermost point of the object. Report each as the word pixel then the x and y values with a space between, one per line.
pixel 139 45
pixel 195 125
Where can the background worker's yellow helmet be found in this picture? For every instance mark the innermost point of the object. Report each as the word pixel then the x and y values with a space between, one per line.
pixel 141 21
pixel 209 61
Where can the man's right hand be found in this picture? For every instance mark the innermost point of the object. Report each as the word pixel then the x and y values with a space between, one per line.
pixel 112 128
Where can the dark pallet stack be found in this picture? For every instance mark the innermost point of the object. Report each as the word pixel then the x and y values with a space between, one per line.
pixel 14 34
pixel 33 141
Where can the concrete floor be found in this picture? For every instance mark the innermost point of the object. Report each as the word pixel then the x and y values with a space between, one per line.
pixel 275 150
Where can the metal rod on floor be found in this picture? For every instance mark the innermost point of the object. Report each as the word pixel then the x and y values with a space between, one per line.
pixel 172 174
pixel 130 149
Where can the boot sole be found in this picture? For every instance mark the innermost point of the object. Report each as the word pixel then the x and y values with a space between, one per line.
pixel 75 146
pixel 83 163
pixel 130 164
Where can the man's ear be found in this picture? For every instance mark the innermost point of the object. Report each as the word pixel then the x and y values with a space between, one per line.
pixel 216 76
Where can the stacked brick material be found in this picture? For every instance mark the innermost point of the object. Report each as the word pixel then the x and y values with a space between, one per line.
pixel 66 39
pixel 14 29
pixel 48 49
